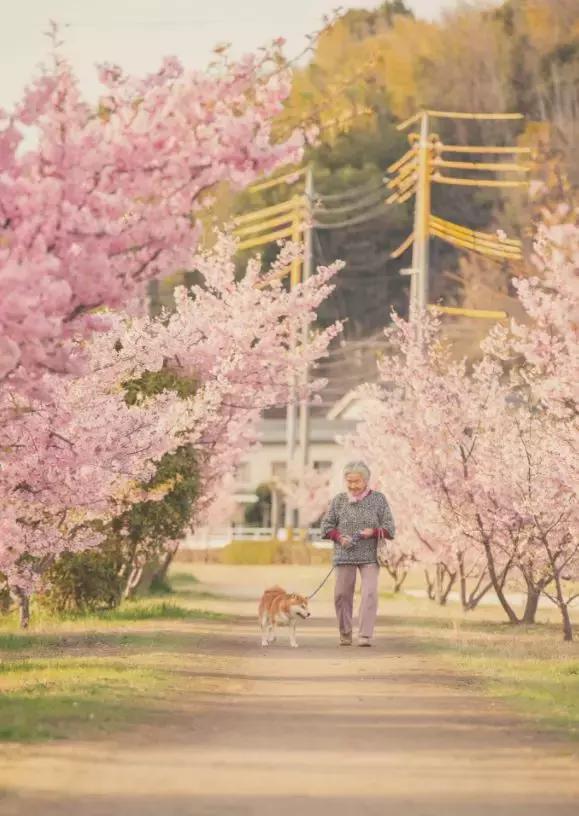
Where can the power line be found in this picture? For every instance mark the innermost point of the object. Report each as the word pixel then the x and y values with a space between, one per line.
pixel 350 193
pixel 371 198
pixel 361 219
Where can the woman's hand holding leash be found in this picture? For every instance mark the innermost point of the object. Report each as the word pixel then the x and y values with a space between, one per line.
pixel 346 541
pixel 368 532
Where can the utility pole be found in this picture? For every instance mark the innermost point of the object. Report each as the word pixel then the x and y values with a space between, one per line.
pixel 304 416
pixel 274 223
pixel 292 407
pixel 421 245
pixel 426 163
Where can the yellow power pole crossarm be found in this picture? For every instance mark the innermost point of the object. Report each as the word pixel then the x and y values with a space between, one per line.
pixel 284 206
pixel 402 198
pixel 477 246
pixel 410 121
pixel 479 117
pixel 490 166
pixel 485 149
pixel 402 183
pixel 288 232
pixel 462 182
pixel 289 178
pixel 484 314
pixel 251 229
pixel 460 230
pixel 406 244
pixel 475 243
pixel 407 157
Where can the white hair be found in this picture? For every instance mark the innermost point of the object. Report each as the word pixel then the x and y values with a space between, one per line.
pixel 360 467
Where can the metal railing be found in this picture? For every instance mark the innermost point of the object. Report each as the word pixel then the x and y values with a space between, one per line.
pixel 216 539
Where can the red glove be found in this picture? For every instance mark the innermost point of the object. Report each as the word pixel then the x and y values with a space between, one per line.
pixel 382 532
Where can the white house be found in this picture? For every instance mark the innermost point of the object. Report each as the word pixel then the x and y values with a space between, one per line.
pixel 267 462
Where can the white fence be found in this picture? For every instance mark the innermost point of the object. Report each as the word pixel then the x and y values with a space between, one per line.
pixel 215 539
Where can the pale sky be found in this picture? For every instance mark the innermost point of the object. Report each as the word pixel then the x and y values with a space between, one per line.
pixel 138 33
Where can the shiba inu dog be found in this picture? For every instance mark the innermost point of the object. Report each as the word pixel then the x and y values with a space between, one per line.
pixel 278 607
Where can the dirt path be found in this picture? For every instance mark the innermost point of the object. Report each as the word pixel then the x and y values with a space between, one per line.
pixel 319 730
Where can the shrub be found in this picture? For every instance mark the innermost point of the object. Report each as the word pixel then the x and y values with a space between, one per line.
pixel 251 552
pixel 84 582
pixel 272 552
pixel 134 554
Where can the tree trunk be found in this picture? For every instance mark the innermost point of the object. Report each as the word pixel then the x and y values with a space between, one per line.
pixel 563 609
pixel 476 596
pixel 462 581
pixel 24 611
pixel 133 581
pixel 444 591
pixel 429 585
pixel 160 575
pixel 439 579
pixel 498 585
pixel 531 603
pixel 4 600
pixel 397 572
pixel 567 626
pixel 23 601
pixel 399 581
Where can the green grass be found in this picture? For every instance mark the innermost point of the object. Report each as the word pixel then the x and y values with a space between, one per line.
pixel 532 670
pixel 55 698
pixel 90 675
pixel 181 579
pixel 145 609
pixel 528 667
pixel 547 691
pixel 141 609
pixel 82 676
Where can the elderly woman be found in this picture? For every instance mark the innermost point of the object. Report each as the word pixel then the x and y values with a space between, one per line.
pixel 354 522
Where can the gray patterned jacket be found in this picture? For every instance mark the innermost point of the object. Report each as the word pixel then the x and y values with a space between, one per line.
pixel 349 518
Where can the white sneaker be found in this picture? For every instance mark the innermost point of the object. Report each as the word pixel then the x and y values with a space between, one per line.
pixel 364 641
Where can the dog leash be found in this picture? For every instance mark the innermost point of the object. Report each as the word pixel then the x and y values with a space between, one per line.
pixel 315 592
pixel 355 538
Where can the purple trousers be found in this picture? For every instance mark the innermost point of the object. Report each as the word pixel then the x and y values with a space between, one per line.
pixel 344 597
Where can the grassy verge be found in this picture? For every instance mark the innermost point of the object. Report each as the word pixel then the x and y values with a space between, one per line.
pixel 529 667
pixel 91 675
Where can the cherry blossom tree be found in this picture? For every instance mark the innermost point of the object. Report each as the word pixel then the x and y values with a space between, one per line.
pixel 308 489
pixel 542 358
pixel 487 456
pixel 74 463
pixel 420 434
pixel 107 198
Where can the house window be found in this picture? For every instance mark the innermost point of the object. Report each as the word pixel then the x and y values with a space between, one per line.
pixel 323 465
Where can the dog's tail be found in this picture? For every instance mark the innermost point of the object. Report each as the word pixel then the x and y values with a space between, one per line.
pixel 274 590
